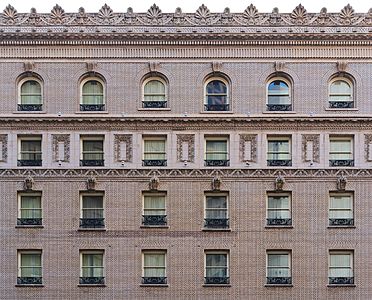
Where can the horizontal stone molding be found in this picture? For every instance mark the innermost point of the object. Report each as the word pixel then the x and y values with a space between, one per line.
pixel 192 174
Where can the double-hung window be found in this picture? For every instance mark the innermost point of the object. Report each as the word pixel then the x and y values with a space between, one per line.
pixel 92 154
pixel 341 152
pixel 154 154
pixel 154 212
pixel 91 267
pixel 279 151
pixel 216 152
pixel 279 95
pixel 341 209
pixel 30 95
pixel 279 210
pixel 216 212
pixel 216 267
pixel 341 93
pixel 154 93
pixel 29 151
pixel 341 267
pixel 216 95
pixel 92 211
pixel 92 95
pixel 30 211
pixel 279 267
pixel 154 267
pixel 29 267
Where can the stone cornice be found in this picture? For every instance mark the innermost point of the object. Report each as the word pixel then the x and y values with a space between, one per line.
pixel 201 25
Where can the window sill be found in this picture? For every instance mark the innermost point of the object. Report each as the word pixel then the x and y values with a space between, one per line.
pixel 279 226
pixel 92 285
pixel 217 112
pixel 341 226
pixel 278 285
pixel 22 112
pixel 155 226
pixel 216 229
pixel 341 109
pixel 217 285
pixel 92 229
pixel 279 112
pixel 92 112
pixel 30 285
pixel 154 285
pixel 29 226
pixel 341 285
pixel 154 108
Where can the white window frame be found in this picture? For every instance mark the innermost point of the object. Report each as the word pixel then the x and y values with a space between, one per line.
pixel 20 195
pixel 272 138
pixel 346 80
pixel 155 251
pixel 286 81
pixel 156 78
pixel 24 80
pixel 217 139
pixel 341 138
pixel 346 194
pixel 98 251
pixel 226 195
pixel 154 138
pixel 27 251
pixel 227 252
pixel 279 252
pixel 227 84
pixel 342 252
pixel 91 138
pixel 92 78
pixel 273 194
pixel 22 138
pixel 83 194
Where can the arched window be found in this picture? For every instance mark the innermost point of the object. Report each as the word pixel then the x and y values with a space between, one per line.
pixel 154 93
pixel 92 95
pixel 341 93
pixel 30 95
pixel 279 95
pixel 216 95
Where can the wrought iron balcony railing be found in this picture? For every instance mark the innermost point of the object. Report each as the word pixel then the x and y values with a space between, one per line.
pixel 341 222
pixel 154 104
pixel 216 280
pixel 341 163
pixel 279 280
pixel 92 107
pixel 92 280
pixel 279 107
pixel 217 162
pixel 279 222
pixel 154 220
pixel 154 280
pixel 30 107
pixel 29 280
pixel 341 104
pixel 216 223
pixel 154 162
pixel 341 280
pixel 279 162
pixel 29 221
pixel 216 107
pixel 29 162
pixel 92 223
pixel 92 162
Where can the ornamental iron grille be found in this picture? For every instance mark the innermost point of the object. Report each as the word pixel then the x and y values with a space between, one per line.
pixel 216 107
pixel 154 280
pixel 279 222
pixel 279 163
pixel 92 163
pixel 341 104
pixel 279 107
pixel 279 280
pixel 154 104
pixel 154 220
pixel 341 163
pixel 30 107
pixel 92 107
pixel 154 162
pixel 29 221
pixel 92 280
pixel 30 280
pixel 341 222
pixel 217 280
pixel 92 223
pixel 341 280
pixel 216 223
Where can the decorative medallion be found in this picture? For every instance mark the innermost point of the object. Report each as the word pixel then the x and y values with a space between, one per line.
pixel 154 183
pixel 57 14
pixel 10 14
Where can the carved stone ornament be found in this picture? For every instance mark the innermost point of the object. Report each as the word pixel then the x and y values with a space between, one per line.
pixel 4 142
pixel 342 66
pixel 279 66
pixel 347 13
pixel 190 140
pixel 91 183
pixel 28 183
pixel 341 183
pixel 279 183
pixel 105 13
pixel 367 147
pixel 316 147
pixel 217 66
pixel 61 138
pixel 118 140
pixel 154 183
pixel 29 66
pixel 299 14
pixel 203 13
pixel 154 66
pixel 250 12
pixel 252 138
pixel 91 66
pixel 154 12
pixel 216 183
pixel 57 14
pixel 10 14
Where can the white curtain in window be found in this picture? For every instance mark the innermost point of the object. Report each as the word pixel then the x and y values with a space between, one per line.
pixel 154 265
pixel 30 265
pixel 30 207
pixel 341 207
pixel 92 92
pixel 278 265
pixel 154 90
pixel 340 149
pixel 31 92
pixel 340 265
pixel 278 93
pixel 216 150
pixel 154 150
pixel 31 150
pixel 278 150
pixel 92 207
pixel 340 91
pixel 216 265
pixel 278 208
pixel 92 265
pixel 154 205
pixel 216 207
pixel 93 150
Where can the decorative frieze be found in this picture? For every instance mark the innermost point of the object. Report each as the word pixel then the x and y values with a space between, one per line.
pixel 123 147
pixel 185 147
pixel 248 148
pixel 61 147
pixel 310 148
pixel 3 147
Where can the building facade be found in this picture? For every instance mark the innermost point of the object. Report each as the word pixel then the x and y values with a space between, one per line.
pixel 186 155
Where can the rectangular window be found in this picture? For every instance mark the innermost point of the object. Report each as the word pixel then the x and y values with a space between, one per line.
pixel 279 152
pixel 279 267
pixel 154 154
pixel 92 211
pixel 216 212
pixel 92 151
pixel 154 212
pixel 341 210
pixel 29 209
pixel 92 269
pixel 216 152
pixel 29 267
pixel 341 152
pixel 29 151
pixel 279 210
pixel 217 267
pixel 341 267
pixel 154 267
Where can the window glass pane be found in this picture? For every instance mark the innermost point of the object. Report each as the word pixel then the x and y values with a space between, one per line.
pixel 340 87
pixel 30 265
pixel 92 265
pixel 278 260
pixel 278 93
pixel 154 265
pixel 154 91
pixel 216 87
pixel 341 202
pixel 92 207
pixel 341 146
pixel 154 205
pixel 93 150
pixel 216 150
pixel 154 149
pixel 92 92
pixel 30 207
pixel 31 92
pixel 216 202
pixel 216 265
